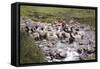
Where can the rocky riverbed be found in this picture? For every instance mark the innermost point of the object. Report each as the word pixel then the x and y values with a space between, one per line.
pixel 72 42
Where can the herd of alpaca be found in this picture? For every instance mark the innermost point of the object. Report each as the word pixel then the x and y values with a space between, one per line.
pixel 55 31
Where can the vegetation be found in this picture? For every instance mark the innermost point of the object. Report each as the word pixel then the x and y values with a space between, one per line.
pixel 50 14
pixel 29 52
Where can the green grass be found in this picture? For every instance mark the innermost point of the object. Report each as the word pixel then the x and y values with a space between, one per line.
pixel 29 52
pixel 50 14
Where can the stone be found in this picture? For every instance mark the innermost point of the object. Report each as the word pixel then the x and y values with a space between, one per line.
pixel 63 54
pixel 63 41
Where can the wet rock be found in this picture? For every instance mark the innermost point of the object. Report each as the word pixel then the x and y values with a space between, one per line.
pixel 60 54
pixel 63 54
pixel 50 45
pixel 91 50
pixel 63 41
pixel 40 45
pixel 44 40
pixel 79 51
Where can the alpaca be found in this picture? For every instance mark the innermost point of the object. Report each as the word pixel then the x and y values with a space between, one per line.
pixel 36 36
pixel 51 35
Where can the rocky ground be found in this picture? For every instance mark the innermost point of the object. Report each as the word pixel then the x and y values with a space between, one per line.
pixel 60 49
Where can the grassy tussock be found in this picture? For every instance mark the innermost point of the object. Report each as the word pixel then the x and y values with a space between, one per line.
pixel 29 52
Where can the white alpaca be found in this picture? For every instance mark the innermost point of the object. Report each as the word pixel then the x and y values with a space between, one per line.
pixel 59 34
pixel 76 36
pixel 82 33
pixel 42 32
pixel 36 35
pixel 50 28
pixel 67 35
pixel 79 35
pixel 51 35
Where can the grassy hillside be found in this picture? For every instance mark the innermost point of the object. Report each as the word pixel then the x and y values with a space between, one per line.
pixel 50 14
pixel 29 52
